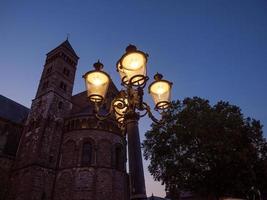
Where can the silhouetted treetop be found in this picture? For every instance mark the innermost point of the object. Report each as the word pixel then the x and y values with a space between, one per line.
pixel 210 150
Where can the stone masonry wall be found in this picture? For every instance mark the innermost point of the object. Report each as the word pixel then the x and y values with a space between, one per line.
pixel 99 180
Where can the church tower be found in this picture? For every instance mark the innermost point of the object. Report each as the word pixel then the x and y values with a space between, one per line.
pixel 38 153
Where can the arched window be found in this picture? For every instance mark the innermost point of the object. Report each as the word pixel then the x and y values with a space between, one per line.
pixel 87 153
pixel 118 158
pixel 60 105
pixel 84 124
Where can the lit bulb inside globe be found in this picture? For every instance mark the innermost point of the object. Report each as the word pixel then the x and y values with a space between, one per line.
pixel 97 80
pixel 160 90
pixel 134 64
pixel 134 61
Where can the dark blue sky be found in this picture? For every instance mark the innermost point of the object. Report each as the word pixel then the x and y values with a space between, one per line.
pixel 216 49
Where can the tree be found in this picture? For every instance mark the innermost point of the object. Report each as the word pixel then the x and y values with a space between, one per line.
pixel 210 150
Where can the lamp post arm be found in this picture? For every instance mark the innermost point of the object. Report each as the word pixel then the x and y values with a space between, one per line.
pixel 150 114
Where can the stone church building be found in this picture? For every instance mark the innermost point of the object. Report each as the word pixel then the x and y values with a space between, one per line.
pixel 58 150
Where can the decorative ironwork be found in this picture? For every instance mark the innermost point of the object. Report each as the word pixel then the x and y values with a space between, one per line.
pixel 131 98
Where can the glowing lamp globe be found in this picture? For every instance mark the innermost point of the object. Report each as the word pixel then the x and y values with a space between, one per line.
pixel 160 91
pixel 96 82
pixel 132 66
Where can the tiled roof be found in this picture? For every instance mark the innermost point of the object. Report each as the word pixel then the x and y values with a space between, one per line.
pixel 67 45
pixel 12 110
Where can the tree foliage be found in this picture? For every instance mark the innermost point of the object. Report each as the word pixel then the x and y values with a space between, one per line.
pixel 210 150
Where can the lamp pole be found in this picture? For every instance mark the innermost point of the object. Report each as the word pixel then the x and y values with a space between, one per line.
pixel 137 180
pixel 132 69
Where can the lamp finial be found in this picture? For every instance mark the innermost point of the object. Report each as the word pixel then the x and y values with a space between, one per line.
pixel 130 48
pixel 158 76
pixel 98 65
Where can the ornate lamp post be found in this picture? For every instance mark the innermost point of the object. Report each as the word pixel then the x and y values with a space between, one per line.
pixel 125 106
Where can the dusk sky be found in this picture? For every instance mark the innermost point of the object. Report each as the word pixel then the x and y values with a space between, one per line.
pixel 215 49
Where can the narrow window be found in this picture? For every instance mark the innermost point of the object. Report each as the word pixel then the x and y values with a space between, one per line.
pixel 60 105
pixel 63 86
pixel 49 70
pixel 66 71
pixel 86 153
pixel 50 158
pixel 43 196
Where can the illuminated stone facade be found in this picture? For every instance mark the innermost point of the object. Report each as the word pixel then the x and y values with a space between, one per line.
pixel 64 151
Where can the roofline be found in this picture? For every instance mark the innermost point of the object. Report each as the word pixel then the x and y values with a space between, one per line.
pixel 60 45
pixel 15 102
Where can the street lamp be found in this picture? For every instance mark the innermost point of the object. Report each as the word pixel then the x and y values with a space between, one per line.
pixel 160 91
pixel 96 82
pixel 132 69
